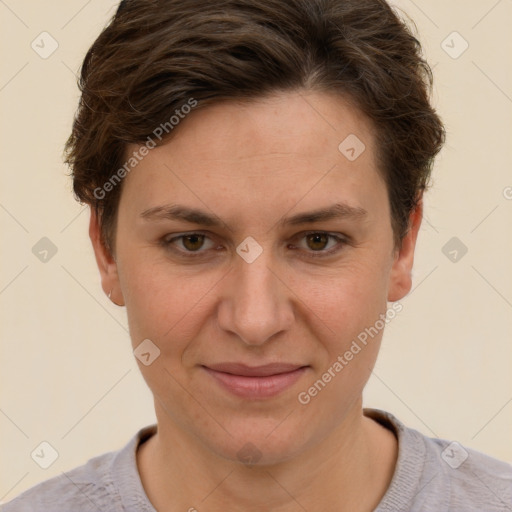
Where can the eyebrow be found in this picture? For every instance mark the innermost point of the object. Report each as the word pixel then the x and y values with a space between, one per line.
pixel 196 216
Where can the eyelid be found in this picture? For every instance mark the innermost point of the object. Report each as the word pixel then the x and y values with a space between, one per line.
pixel 342 240
pixel 167 242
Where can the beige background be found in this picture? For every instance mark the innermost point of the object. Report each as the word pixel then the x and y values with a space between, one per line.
pixel 68 375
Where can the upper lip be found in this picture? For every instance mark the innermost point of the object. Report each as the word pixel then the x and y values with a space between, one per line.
pixel 254 371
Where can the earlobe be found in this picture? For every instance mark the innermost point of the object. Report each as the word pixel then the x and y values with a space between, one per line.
pixel 400 282
pixel 106 262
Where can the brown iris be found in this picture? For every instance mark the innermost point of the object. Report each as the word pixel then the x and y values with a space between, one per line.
pixel 319 241
pixel 193 242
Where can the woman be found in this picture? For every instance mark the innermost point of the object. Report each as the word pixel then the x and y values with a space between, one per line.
pixel 255 171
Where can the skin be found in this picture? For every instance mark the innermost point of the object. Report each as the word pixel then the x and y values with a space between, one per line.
pixel 251 164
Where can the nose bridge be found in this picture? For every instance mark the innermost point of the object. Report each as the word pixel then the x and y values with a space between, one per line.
pixel 257 306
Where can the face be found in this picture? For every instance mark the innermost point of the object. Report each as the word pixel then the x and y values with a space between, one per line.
pixel 256 279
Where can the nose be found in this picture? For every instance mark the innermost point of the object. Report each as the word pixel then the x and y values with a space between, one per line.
pixel 256 305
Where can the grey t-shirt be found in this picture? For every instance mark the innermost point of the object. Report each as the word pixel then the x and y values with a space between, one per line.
pixel 431 475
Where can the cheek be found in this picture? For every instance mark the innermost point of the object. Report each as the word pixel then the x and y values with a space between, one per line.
pixel 162 303
pixel 350 306
pixel 346 300
pixel 165 302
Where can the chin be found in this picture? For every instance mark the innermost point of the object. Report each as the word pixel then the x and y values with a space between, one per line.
pixel 264 446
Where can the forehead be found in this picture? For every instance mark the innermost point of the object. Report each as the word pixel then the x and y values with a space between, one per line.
pixel 263 153
pixel 299 123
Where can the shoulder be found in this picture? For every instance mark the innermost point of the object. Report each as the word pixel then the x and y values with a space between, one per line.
pixel 95 485
pixel 434 474
pixel 78 489
pixel 471 480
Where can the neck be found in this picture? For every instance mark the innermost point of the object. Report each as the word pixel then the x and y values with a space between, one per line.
pixel 350 469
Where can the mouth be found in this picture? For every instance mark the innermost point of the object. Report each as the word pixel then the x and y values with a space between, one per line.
pixel 255 381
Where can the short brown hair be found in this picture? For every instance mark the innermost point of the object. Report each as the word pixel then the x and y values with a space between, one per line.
pixel 155 55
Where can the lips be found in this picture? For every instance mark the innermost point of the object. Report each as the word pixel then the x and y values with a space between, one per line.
pixel 254 371
pixel 255 382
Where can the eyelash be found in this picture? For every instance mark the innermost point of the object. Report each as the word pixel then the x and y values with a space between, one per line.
pixel 168 242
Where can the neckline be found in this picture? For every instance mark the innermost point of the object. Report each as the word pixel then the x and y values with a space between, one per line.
pixel 409 466
pixel 398 496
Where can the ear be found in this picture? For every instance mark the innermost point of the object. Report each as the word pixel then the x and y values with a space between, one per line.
pixel 107 264
pixel 400 281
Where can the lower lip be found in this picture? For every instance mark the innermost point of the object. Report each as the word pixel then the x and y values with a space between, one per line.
pixel 256 387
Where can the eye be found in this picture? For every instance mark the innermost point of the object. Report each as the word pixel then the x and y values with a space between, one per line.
pixel 189 244
pixel 196 244
pixel 318 241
